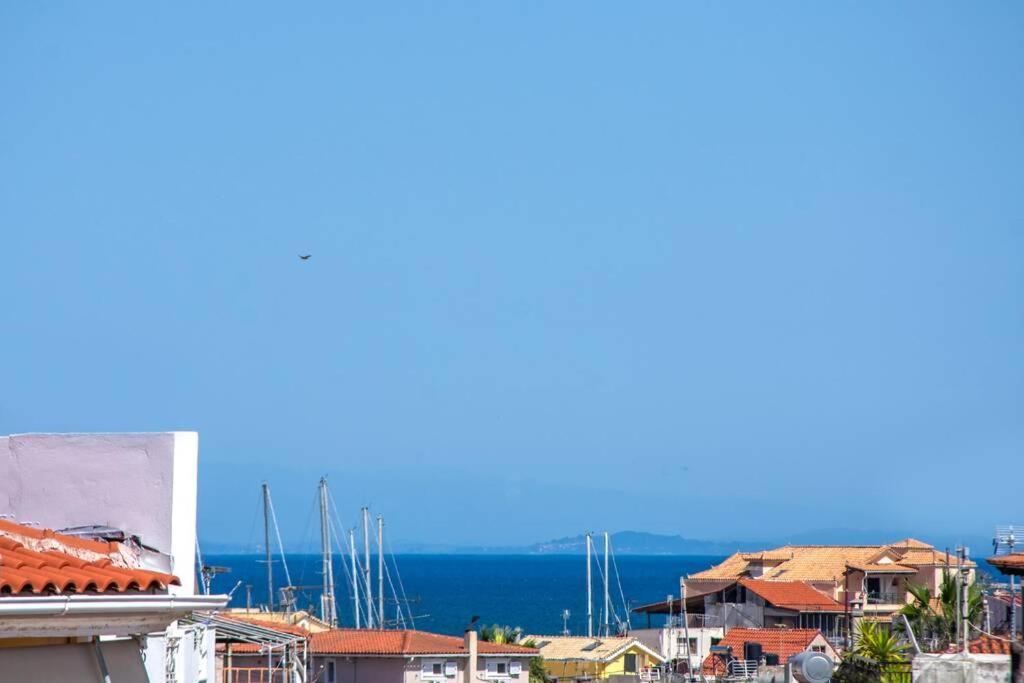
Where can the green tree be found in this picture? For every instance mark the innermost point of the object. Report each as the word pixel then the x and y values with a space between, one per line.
pixel 503 635
pixel 538 673
pixel 878 644
pixel 933 618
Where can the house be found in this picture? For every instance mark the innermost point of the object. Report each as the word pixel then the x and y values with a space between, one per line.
pixel 409 656
pixel 780 642
pixel 865 580
pixel 684 639
pixel 1002 606
pixel 580 658
pixel 97 558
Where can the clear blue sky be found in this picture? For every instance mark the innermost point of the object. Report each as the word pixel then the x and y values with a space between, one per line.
pixel 720 269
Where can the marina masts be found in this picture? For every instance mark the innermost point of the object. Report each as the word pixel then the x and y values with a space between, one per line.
pixel 355 575
pixel 607 600
pixel 380 571
pixel 328 608
pixel 590 594
pixel 366 568
pixel 266 545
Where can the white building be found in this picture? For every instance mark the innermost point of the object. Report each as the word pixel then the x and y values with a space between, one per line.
pixel 97 557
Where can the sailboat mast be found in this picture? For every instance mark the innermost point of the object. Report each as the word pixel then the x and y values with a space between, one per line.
pixel 266 546
pixel 607 601
pixel 355 574
pixel 590 594
pixel 328 610
pixel 366 568
pixel 380 571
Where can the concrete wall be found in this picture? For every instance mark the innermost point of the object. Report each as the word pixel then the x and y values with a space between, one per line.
pixel 144 484
pixel 961 669
pixel 399 669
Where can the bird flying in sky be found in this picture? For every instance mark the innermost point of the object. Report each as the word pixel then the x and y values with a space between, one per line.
pixel 304 257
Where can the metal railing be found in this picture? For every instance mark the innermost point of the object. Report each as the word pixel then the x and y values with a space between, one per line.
pixel 695 621
pixel 885 598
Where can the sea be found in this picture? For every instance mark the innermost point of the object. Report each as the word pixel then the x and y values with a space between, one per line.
pixel 442 593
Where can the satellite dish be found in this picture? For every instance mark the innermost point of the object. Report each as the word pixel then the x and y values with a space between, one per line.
pixel 811 667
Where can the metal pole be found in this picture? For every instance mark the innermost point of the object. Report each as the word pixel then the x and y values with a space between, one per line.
pixel 266 545
pixel 355 575
pixel 366 567
pixel 607 602
pixel 380 570
pixel 686 627
pixel 1013 594
pixel 328 610
pixel 965 606
pixel 590 596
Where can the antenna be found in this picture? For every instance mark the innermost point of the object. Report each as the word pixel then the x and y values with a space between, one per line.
pixel 380 571
pixel 607 600
pixel 565 622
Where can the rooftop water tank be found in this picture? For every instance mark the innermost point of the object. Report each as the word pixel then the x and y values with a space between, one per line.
pixel 811 667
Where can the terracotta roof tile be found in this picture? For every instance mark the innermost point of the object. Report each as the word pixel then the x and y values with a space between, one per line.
pixel 1008 564
pixel 987 645
pixel 407 642
pixel 47 569
pixel 785 642
pixel 794 595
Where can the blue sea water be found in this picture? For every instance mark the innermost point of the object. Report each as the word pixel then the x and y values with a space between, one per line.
pixel 445 591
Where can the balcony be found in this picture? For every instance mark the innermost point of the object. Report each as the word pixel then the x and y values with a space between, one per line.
pixel 695 621
pixel 885 598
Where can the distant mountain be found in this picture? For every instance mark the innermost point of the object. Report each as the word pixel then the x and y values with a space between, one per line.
pixel 643 543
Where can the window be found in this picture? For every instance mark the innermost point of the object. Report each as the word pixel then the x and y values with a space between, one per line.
pixel 818 648
pixel 629 663
pixel 432 669
pixel 497 668
pixel 330 671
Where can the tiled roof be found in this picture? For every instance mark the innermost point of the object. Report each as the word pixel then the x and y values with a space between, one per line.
pixel 987 645
pixel 823 562
pixel 794 595
pixel 1008 564
pixel 785 642
pixel 407 642
pixel 582 648
pixel 43 561
pixel 886 567
pixel 267 623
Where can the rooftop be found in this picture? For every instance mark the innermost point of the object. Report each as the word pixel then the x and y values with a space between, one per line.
pixel 785 642
pixel 583 648
pixel 794 595
pixel 826 562
pixel 402 643
pixel 38 561
pixel 1008 564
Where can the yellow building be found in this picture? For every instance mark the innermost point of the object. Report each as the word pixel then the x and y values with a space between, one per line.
pixel 578 658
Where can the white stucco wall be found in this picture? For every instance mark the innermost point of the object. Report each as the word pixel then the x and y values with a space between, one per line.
pixel 144 484
pixel 958 668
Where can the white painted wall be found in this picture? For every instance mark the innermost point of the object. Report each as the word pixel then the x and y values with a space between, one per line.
pixel 144 484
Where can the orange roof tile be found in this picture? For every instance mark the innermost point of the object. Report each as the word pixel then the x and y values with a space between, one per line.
pixel 1008 564
pixel 43 561
pixel 376 642
pixel 988 645
pixel 785 642
pixel 795 595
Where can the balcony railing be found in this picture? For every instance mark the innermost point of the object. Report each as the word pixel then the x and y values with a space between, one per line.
pixel 885 598
pixel 696 621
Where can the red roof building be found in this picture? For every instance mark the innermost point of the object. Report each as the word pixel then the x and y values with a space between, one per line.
pixel 784 642
pixel 792 595
pixel 43 562
pixel 402 643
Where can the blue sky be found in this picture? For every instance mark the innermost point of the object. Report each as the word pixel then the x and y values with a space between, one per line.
pixel 720 269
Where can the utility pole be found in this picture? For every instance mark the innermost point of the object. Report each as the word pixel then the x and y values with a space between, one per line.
pixel 328 608
pixel 965 606
pixel 366 568
pixel 380 571
pixel 266 546
pixel 355 575
pixel 590 594
pixel 607 601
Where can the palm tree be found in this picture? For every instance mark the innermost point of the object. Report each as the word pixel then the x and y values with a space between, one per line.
pixel 878 644
pixel 502 635
pixel 934 619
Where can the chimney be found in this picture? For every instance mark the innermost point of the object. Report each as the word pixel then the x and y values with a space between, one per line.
pixel 470 641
